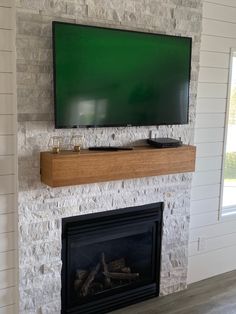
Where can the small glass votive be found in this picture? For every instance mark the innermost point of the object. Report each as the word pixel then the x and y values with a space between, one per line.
pixel 55 143
pixel 75 142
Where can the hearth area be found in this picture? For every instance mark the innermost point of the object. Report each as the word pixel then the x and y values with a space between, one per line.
pixel 111 259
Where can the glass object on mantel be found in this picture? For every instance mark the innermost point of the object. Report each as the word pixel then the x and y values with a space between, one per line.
pixel 55 144
pixel 76 143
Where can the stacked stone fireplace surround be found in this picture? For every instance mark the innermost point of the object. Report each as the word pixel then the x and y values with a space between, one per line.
pixel 41 208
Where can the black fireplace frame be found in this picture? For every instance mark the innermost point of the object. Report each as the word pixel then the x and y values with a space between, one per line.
pixel 95 223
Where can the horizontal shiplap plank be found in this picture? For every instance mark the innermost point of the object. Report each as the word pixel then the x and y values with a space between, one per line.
pixel 203 219
pixel 213 244
pixel 6 18
pixel 213 75
pixel 8 310
pixel 207 135
pixel 211 105
pixel 204 192
pixel 6 3
pixel 214 59
pixel 210 120
pixel 7 260
pixel 7 223
pixel 217 43
pixel 7 124
pixel 219 12
pixel 193 248
pixel 6 104
pixel 230 3
pixel 7 185
pixel 219 261
pixel 208 163
pixel 212 231
pixel 7 296
pixel 6 83
pixel 221 242
pixel 7 144
pixel 7 278
pixel 7 203
pixel 209 149
pixel 6 61
pixel 218 28
pixel 6 39
pixel 7 241
pixel 7 165
pixel 206 178
pixel 212 90
pixel 205 205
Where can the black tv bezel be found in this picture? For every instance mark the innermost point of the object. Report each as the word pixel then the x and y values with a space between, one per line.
pixel 54 23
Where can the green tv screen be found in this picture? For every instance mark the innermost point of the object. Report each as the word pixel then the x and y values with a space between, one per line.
pixel 111 77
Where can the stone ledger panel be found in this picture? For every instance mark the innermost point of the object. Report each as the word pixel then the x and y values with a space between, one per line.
pixel 41 208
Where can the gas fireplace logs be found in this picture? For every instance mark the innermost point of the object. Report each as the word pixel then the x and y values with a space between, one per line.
pixel 103 276
pixel 89 280
pixel 107 280
pixel 121 275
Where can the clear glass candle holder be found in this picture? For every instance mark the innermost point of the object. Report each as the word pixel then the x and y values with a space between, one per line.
pixel 76 143
pixel 55 144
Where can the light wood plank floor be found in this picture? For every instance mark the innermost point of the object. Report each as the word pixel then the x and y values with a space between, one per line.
pixel 216 295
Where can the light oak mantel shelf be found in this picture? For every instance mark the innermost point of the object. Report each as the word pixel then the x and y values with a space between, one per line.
pixel 70 168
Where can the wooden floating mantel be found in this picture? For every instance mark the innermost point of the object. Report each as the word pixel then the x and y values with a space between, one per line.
pixel 70 168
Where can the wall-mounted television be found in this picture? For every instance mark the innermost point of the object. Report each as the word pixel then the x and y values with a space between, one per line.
pixel 113 77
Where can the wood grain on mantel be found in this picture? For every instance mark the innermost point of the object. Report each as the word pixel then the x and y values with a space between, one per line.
pixel 70 168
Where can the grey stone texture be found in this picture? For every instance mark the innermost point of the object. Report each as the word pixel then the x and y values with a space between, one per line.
pixel 41 208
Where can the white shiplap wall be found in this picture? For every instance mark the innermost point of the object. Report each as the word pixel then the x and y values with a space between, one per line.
pixel 8 186
pixel 212 240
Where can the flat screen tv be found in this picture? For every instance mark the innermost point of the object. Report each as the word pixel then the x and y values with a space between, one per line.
pixel 112 77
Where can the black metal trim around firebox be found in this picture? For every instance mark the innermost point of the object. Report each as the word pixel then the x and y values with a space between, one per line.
pixel 91 225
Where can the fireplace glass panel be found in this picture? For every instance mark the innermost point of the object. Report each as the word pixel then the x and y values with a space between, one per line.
pixel 111 260
pixel 115 261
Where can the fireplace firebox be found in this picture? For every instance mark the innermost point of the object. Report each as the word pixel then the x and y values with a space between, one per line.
pixel 111 259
